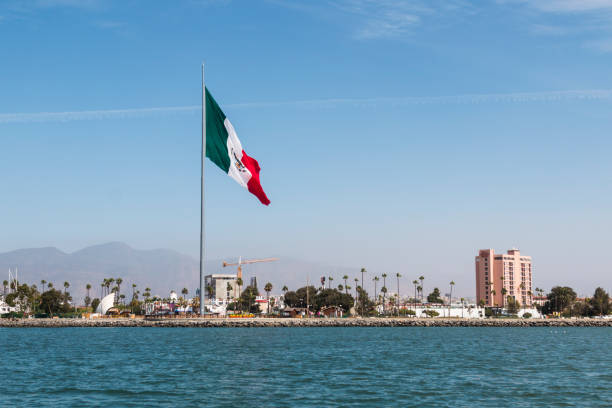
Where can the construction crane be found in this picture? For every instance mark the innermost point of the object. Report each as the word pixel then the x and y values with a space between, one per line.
pixel 246 262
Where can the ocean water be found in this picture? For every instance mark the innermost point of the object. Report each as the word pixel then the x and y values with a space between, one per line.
pixel 306 367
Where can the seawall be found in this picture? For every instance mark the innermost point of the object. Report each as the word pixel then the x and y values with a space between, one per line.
pixel 262 322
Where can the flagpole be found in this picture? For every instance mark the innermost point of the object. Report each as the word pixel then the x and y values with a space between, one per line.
pixel 202 235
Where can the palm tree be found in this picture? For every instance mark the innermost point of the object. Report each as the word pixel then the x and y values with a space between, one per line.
pixel 88 287
pixel 356 286
pixel 363 270
pixel 384 276
pixel 267 289
pixel 329 281
pixel 529 297
pixel 422 278
pixel 5 284
pixel 185 292
pixel 415 283
pixel 42 282
pixel 397 275
pixel 229 289
pixel 462 304
pixel 285 289
pixel 345 277
pixel 522 286
pixel 239 283
pixel 119 282
pixel 66 286
pixel 384 292
pixel 376 279
pixel 340 288
pixel 503 293
pixel 450 297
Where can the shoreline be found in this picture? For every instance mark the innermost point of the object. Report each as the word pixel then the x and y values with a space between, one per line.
pixel 288 322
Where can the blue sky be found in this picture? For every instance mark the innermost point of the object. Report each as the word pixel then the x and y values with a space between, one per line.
pixel 397 135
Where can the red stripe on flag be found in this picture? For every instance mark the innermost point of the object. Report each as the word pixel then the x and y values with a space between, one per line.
pixel 254 185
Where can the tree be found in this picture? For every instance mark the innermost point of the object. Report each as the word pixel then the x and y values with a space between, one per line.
pixel 398 276
pixel 340 287
pixel 600 302
pixel 94 304
pixel 53 301
pixel 450 297
pixel 229 289
pixel 43 283
pixel 119 281
pixel 434 297
pixel 363 271
pixel 23 297
pixel 298 298
pixel 376 279
pixel 5 284
pixel 239 283
pixel 384 292
pixel 88 287
pixel 248 297
pixel 268 289
pixel 346 288
pixel 331 297
pixel 559 298
pixel 364 303
pixel 87 301
pixel 285 289
pixel 185 292
pixel 481 303
pixel 422 278
pixel 513 305
pixel 329 281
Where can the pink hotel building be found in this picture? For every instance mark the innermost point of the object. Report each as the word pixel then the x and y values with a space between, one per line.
pixel 511 271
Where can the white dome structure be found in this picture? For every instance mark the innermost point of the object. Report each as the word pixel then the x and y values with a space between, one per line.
pixel 106 303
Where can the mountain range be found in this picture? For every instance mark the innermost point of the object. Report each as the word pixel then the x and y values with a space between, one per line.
pixel 161 270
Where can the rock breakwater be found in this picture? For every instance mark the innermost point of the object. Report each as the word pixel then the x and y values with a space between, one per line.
pixel 263 322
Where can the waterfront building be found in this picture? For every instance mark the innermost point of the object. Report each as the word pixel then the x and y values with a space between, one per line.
pixel 498 273
pixel 218 282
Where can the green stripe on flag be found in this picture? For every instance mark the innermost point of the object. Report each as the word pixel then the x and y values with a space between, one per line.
pixel 216 134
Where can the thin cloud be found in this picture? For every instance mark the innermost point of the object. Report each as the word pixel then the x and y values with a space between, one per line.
pixel 520 97
pixel 570 6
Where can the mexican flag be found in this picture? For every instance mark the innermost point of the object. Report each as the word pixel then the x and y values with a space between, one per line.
pixel 225 150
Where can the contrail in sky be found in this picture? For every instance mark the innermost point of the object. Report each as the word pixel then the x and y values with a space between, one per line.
pixel 554 96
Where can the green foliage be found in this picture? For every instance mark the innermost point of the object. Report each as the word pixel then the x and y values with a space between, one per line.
pixel 512 305
pixel 298 298
pixel 318 299
pixel 247 299
pixel 431 313
pixel 94 304
pixel 364 306
pixel 600 302
pixel 434 297
pixel 331 297
pixel 526 315
pixel 407 312
pixel 53 301
pixel 559 298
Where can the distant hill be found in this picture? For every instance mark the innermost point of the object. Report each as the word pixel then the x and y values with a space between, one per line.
pixel 159 269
